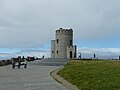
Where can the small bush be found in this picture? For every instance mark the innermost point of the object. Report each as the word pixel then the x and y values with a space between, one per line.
pixel 5 62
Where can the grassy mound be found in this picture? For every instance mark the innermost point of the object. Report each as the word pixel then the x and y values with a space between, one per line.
pixel 93 75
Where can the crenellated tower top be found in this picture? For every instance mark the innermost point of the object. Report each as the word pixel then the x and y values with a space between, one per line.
pixel 62 31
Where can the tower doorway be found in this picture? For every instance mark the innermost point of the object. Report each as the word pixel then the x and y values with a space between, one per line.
pixel 70 54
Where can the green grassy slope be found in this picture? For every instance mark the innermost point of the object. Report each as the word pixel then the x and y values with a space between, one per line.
pixel 93 75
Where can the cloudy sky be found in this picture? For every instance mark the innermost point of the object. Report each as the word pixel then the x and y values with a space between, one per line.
pixel 27 26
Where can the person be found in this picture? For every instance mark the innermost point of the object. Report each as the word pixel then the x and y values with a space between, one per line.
pixel 79 55
pixel 19 62
pixel 25 63
pixel 13 63
pixel 23 58
pixel 43 56
pixel 94 55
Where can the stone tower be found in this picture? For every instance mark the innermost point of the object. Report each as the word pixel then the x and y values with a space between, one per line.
pixel 62 46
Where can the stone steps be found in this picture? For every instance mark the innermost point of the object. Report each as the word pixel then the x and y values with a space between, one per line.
pixel 51 62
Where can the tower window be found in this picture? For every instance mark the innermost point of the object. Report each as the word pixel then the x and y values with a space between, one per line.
pixel 52 51
pixel 71 42
pixel 57 52
pixel 57 40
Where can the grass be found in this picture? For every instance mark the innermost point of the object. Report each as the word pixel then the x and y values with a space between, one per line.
pixel 92 75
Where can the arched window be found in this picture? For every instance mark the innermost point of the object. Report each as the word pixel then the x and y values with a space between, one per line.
pixel 71 42
pixel 57 40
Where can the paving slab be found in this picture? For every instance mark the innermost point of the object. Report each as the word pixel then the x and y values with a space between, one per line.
pixel 34 77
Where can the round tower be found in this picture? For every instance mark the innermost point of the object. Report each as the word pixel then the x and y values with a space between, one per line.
pixel 64 39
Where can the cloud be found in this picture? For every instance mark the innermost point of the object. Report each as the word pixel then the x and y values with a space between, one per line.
pixel 28 23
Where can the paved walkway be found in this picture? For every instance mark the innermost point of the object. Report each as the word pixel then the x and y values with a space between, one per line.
pixel 35 77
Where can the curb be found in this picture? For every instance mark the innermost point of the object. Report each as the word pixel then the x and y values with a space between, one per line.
pixel 62 81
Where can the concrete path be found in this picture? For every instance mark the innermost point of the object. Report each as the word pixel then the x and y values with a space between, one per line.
pixel 35 77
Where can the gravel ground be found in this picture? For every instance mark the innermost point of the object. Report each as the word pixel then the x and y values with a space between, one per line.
pixel 34 77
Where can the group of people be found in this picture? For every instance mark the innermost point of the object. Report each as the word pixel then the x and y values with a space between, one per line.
pixel 80 56
pixel 17 62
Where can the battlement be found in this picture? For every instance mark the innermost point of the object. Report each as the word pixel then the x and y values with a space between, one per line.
pixel 72 46
pixel 61 31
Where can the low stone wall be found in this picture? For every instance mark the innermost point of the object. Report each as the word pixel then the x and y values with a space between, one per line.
pixel 5 62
